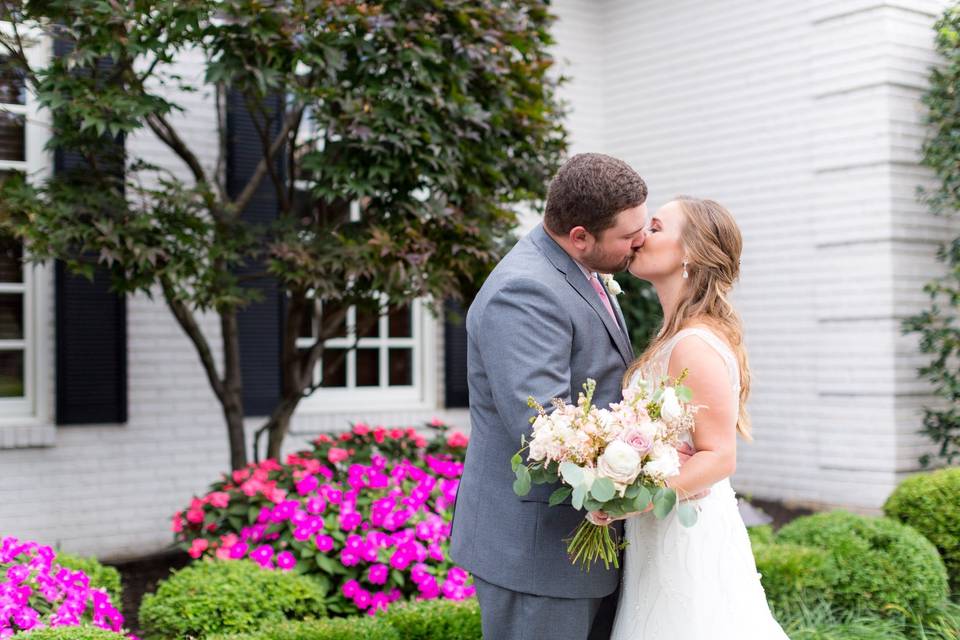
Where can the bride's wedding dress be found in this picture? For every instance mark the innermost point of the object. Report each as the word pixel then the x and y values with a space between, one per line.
pixel 697 583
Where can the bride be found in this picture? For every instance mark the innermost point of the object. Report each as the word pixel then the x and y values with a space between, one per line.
pixel 699 582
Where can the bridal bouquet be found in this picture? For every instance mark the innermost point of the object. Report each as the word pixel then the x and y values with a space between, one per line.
pixel 615 459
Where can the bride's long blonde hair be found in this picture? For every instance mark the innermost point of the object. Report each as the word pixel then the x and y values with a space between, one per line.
pixel 713 243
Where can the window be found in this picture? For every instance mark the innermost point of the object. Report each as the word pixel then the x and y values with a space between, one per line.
pixel 388 365
pixel 23 321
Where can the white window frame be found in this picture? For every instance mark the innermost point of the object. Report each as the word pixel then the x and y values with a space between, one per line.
pixel 34 406
pixel 419 395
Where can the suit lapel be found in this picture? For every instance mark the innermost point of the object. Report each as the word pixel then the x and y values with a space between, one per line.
pixel 576 279
pixel 620 318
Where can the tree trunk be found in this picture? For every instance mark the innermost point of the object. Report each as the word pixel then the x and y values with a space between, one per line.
pixel 233 387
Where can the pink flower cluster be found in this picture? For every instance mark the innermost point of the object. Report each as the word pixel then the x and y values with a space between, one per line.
pixel 375 527
pixel 31 582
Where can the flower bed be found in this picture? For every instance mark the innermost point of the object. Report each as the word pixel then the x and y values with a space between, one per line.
pixel 37 592
pixel 367 513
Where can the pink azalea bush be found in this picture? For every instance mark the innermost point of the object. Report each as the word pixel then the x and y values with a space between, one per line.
pixel 37 593
pixel 367 513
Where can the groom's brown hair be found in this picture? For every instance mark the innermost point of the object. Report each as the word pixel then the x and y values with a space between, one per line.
pixel 589 190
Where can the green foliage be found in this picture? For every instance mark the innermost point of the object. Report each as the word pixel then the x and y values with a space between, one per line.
pixel 881 566
pixel 436 619
pixel 409 132
pixel 101 576
pixel 760 534
pixel 641 309
pixel 71 633
pixel 356 628
pixel 820 621
pixel 227 597
pixel 426 620
pixel 939 333
pixel 930 503
pixel 793 575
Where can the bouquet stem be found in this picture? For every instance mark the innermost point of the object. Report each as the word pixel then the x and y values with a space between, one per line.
pixel 592 542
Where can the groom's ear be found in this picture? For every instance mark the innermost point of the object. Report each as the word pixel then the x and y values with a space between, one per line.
pixel 580 238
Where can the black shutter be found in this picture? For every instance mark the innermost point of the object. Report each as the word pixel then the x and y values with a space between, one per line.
pixel 91 331
pixel 260 324
pixel 455 356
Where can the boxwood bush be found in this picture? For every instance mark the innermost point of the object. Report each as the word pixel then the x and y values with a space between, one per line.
pixel 794 576
pixel 881 565
pixel 436 619
pixel 227 597
pixel 70 633
pixel 353 628
pixel 930 503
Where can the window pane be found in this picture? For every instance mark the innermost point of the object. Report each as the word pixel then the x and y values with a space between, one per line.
pixel 11 374
pixel 11 137
pixel 334 319
pixel 368 320
pixel 401 322
pixel 11 316
pixel 401 367
pixel 13 90
pixel 334 368
pixel 11 256
pixel 368 367
pixel 306 324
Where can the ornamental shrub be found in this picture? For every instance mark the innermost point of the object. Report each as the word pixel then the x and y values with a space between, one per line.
pixel 226 597
pixel 882 566
pixel 36 591
pixel 930 503
pixel 793 575
pixel 101 576
pixel 436 619
pixel 83 632
pixel 354 628
pixel 365 513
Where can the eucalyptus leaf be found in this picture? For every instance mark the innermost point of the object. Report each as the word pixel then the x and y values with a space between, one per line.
pixel 642 500
pixel 521 486
pixel 684 394
pixel 515 462
pixel 571 473
pixel 560 495
pixel 687 514
pixel 579 494
pixel 603 489
pixel 663 502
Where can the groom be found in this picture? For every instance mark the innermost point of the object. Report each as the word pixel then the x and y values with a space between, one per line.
pixel 541 325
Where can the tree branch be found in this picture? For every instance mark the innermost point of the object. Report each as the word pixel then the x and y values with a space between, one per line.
pixel 189 324
pixel 160 126
pixel 247 194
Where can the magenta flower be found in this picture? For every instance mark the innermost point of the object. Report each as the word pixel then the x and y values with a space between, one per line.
pixel 286 560
pixel 262 555
pixel 324 543
pixel 350 588
pixel 378 573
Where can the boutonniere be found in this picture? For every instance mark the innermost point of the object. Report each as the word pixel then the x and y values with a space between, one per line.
pixel 612 285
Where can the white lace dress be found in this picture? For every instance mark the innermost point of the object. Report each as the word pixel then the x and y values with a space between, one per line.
pixel 697 583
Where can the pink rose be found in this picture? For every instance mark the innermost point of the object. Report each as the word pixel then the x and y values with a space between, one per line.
pixel 219 499
pixel 637 439
pixel 456 440
pixel 198 547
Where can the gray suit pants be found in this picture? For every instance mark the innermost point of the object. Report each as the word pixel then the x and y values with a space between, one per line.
pixel 512 615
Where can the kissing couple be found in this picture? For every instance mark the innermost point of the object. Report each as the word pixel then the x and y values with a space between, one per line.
pixel 544 322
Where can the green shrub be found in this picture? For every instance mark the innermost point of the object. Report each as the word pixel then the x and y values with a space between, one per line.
pixel 101 576
pixel 232 596
pixel 354 628
pixel 793 575
pixel 881 565
pixel 930 503
pixel 71 633
pixel 436 620
pixel 820 622
pixel 761 534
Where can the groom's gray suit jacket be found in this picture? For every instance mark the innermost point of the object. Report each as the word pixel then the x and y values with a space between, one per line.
pixel 537 328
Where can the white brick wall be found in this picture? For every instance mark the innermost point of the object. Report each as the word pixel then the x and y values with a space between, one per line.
pixel 804 119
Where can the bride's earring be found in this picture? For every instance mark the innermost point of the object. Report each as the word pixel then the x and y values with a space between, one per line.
pixel 685 274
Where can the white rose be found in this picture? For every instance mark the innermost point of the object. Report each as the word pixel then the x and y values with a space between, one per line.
pixel 670 410
pixel 538 449
pixel 664 462
pixel 612 285
pixel 620 462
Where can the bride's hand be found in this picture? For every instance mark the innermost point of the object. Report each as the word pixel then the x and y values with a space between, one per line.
pixel 602 519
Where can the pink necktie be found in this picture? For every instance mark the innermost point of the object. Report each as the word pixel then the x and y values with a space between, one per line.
pixel 603 298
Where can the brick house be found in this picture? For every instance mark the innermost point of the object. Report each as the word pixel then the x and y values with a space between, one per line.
pixel 803 118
